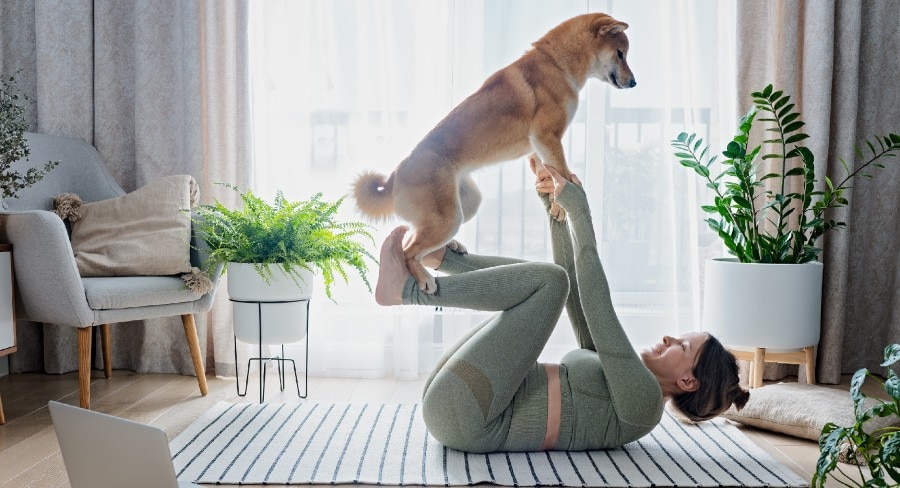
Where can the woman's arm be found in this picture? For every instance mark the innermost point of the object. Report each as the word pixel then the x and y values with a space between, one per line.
pixel 564 256
pixel 629 380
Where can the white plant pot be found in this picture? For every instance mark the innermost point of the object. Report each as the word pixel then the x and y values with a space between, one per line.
pixel 279 306
pixel 773 306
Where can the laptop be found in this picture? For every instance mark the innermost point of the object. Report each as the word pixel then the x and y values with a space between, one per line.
pixel 102 451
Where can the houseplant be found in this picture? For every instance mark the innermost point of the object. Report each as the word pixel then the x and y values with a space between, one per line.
pixel 284 237
pixel 879 449
pixel 270 252
pixel 770 221
pixel 13 146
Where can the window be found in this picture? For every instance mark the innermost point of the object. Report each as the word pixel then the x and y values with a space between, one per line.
pixel 340 86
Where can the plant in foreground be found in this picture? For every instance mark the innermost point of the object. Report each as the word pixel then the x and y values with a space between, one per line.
pixel 878 450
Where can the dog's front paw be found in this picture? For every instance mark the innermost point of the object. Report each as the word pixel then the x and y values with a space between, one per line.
pixel 428 285
pixel 557 212
pixel 457 247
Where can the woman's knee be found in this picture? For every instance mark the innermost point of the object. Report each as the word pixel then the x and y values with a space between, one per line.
pixel 555 279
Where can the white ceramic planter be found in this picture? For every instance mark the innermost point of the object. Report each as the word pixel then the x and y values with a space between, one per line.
pixel 276 305
pixel 774 306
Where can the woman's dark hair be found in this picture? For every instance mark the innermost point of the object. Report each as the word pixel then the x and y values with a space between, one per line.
pixel 717 373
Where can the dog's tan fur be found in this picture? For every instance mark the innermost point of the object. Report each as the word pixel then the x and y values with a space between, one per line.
pixel 523 108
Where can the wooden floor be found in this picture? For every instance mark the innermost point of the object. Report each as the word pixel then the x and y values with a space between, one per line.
pixel 30 457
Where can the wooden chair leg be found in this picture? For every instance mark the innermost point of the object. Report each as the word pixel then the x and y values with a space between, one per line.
pixel 107 350
pixel 190 332
pixel 759 362
pixel 2 417
pixel 84 365
pixel 810 364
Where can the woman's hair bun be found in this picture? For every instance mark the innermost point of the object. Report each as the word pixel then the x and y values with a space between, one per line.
pixel 740 398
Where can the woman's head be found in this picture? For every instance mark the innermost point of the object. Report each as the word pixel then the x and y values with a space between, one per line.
pixel 717 387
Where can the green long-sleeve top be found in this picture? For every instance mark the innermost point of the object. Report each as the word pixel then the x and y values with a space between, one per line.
pixel 609 398
pixel 615 399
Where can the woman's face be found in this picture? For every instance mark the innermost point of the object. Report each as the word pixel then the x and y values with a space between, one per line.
pixel 674 358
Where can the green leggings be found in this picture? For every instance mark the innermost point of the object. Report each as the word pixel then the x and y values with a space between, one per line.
pixel 488 393
pixel 467 400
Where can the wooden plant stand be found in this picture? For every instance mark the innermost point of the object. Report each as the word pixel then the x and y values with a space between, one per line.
pixel 759 357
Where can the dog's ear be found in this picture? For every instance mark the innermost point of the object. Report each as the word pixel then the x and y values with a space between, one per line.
pixel 606 25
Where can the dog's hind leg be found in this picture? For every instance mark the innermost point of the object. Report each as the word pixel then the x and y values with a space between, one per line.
pixel 429 235
pixel 470 200
pixel 469 197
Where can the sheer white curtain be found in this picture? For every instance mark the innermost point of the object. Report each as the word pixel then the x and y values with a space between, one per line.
pixel 347 85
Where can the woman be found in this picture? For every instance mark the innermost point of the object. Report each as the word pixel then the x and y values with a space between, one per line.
pixel 489 393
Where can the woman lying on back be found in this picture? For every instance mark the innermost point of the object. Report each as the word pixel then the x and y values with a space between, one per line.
pixel 489 393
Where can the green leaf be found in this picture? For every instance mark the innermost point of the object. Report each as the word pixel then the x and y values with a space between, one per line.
pixel 781 101
pixel 890 455
pixel 796 138
pixel 773 156
pixel 856 393
pixel 741 201
pixel 709 208
pixel 891 354
pixel 795 172
pixel 767 91
pixel 790 118
pixel 785 110
pixel 793 126
pixel 684 155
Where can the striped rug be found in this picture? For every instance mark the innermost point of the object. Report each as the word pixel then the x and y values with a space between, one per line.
pixel 389 445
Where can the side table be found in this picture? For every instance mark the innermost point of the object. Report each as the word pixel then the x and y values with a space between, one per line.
pixel 280 360
pixel 7 308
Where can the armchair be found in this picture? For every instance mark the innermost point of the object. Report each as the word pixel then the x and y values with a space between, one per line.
pixel 50 289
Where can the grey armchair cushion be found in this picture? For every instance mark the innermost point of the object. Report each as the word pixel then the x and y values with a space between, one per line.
pixel 135 291
pixel 143 233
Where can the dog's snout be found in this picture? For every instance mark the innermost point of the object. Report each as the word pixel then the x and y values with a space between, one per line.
pixel 632 83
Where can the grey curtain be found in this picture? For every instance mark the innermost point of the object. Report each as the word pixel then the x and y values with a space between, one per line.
pixel 839 61
pixel 159 87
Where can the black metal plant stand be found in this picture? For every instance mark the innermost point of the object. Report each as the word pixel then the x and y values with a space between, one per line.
pixel 279 360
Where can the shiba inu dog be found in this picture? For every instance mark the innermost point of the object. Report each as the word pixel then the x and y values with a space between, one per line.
pixel 521 109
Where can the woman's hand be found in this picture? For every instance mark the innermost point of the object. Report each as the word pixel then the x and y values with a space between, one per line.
pixel 549 180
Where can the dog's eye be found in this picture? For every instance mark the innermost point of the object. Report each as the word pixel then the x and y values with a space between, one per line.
pixel 621 56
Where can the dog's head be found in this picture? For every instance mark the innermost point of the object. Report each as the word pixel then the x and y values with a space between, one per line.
pixel 611 52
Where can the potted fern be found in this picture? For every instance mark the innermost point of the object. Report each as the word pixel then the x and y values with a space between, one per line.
pixel 769 294
pixel 271 252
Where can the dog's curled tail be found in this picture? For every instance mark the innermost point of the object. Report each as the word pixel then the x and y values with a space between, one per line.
pixel 372 192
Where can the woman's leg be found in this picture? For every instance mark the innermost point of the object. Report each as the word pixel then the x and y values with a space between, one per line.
pixel 477 379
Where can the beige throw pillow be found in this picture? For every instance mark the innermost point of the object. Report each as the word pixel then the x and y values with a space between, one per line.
pixel 144 233
pixel 801 410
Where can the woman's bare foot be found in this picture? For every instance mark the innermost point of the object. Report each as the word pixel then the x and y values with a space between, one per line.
pixel 392 270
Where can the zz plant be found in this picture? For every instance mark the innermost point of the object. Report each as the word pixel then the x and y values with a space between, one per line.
pixel 775 225
pixel 294 235
pixel 879 450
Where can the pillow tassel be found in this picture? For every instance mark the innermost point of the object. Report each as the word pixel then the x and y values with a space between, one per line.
pixel 195 193
pixel 197 281
pixel 68 206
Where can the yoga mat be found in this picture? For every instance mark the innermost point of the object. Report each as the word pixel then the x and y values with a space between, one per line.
pixel 326 443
